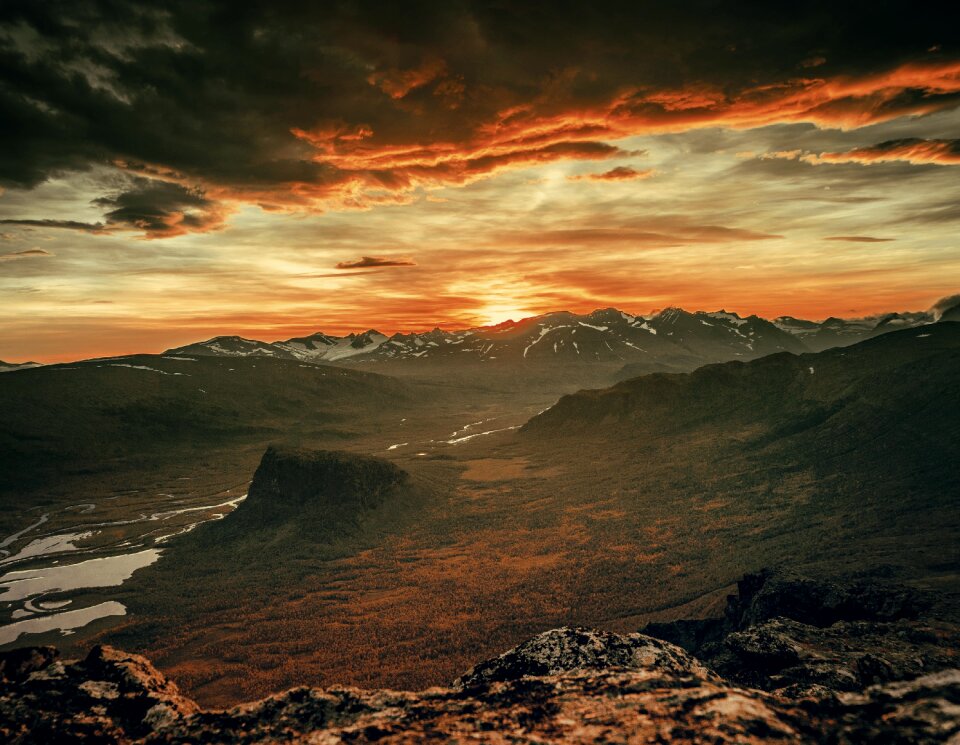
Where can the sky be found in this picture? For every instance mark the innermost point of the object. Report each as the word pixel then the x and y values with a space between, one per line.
pixel 174 170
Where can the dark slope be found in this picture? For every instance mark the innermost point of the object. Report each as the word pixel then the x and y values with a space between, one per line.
pixel 102 415
pixel 846 457
pixel 907 377
pixel 951 314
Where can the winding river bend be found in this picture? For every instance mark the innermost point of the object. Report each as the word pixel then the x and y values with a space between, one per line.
pixel 56 573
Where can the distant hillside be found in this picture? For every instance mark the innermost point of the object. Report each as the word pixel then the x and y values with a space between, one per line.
pixel 873 426
pixel 106 414
pixel 841 332
pixel 896 372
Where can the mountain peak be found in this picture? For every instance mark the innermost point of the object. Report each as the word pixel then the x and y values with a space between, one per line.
pixel 660 341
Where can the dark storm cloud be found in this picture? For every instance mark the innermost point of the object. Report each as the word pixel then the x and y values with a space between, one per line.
pixel 296 106
pixel 60 224
pixel 366 262
pixel 161 209
pixel 158 209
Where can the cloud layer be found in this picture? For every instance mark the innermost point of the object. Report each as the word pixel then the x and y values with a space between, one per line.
pixel 326 107
pixel 620 173
pixel 285 161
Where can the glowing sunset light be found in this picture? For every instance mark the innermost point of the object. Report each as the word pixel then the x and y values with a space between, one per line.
pixel 305 169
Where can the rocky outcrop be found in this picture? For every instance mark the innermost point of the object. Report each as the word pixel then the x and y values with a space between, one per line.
pixel 109 697
pixel 901 684
pixel 571 649
pixel 800 636
pixel 767 594
pixel 313 488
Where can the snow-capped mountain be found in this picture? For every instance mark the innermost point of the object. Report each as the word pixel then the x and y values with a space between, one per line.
pixel 321 346
pixel 720 334
pixel 314 348
pixel 604 335
pixel 841 332
pixel 232 346
pixel 672 339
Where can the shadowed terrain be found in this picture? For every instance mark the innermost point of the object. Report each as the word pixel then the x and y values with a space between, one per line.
pixel 671 489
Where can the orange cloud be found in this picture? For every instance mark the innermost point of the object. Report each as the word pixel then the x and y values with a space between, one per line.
pixel 620 173
pixel 911 150
pixel 356 166
pixel 544 129
pixel 362 176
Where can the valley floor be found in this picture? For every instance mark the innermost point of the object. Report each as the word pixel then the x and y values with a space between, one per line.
pixel 507 533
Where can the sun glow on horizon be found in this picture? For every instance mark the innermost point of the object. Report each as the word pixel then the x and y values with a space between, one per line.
pixel 493 315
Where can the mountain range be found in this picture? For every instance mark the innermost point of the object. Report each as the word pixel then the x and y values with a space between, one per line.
pixel 670 340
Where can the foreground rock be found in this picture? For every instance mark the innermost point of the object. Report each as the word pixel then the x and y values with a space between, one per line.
pixel 110 696
pixel 800 636
pixel 564 650
pixel 564 685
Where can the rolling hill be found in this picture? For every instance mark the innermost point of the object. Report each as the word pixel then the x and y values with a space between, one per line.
pixel 904 375
pixel 11 366
pixel 109 415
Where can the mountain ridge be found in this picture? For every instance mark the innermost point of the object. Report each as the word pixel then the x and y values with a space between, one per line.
pixel 806 386
pixel 670 340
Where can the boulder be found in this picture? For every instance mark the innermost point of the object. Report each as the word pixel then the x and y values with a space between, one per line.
pixel 569 649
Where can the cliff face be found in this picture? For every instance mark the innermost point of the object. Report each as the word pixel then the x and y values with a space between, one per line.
pixel 313 490
pixel 565 685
